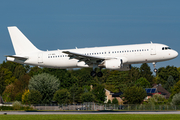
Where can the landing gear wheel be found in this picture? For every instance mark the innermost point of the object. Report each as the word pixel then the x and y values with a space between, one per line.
pixel 99 74
pixel 93 73
pixel 155 70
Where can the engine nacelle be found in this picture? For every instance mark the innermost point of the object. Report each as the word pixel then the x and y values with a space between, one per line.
pixel 117 64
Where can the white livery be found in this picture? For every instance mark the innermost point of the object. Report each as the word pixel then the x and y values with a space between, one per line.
pixel 111 57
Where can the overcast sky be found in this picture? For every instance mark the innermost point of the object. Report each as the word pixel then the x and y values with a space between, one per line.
pixel 64 24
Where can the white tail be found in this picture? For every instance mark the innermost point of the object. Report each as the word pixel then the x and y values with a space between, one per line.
pixel 20 42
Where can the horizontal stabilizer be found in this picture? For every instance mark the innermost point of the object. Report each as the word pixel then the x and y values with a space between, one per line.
pixel 17 57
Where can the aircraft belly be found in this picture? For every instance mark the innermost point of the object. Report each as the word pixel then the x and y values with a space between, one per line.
pixel 61 63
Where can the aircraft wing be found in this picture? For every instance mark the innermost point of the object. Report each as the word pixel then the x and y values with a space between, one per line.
pixel 17 57
pixel 86 58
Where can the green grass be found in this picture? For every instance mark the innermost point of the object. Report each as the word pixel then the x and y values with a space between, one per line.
pixel 91 117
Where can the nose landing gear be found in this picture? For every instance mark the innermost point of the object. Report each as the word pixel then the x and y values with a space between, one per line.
pixel 154 65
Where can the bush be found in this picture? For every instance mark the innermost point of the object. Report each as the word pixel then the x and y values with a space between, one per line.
pixel 6 108
pixel 176 99
pixel 157 99
pixel 114 101
pixel 16 105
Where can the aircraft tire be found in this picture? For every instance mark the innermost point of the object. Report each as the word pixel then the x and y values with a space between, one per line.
pixel 99 74
pixel 93 73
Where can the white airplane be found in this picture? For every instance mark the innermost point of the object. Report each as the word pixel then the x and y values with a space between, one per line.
pixel 111 57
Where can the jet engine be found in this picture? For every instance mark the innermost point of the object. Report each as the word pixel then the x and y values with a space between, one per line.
pixel 117 64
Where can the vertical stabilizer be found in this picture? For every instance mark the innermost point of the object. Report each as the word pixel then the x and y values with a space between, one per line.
pixel 20 42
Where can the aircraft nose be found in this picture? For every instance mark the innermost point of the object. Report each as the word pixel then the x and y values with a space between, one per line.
pixel 175 54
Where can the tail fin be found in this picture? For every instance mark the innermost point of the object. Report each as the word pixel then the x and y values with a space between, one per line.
pixel 20 42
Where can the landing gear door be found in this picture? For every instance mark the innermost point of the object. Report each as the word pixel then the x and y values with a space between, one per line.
pixel 40 58
pixel 153 50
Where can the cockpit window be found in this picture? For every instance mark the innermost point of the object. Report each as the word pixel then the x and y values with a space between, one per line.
pixel 166 48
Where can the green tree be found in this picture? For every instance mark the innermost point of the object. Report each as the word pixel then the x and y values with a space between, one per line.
pixel 145 71
pixel 134 95
pixel 134 74
pixel 109 102
pixel 63 75
pixel 19 71
pixel 8 93
pixel 10 65
pixel 99 93
pixel 46 84
pixel 170 83
pixel 143 82
pixel 175 89
pixel 62 96
pixel 35 71
pixel 164 73
pixel 6 78
pixel 116 79
pixel 114 101
pixel 176 99
pixel 34 97
pixel 79 92
pixel 87 97
pixel 83 77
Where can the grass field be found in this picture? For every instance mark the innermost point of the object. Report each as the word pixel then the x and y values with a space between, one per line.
pixel 91 117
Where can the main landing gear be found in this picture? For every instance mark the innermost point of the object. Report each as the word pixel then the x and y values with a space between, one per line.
pixel 93 73
pixel 99 74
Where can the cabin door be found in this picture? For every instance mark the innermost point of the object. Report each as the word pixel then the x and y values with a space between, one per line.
pixel 153 50
pixel 40 58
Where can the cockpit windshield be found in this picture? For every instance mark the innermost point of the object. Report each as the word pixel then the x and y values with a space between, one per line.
pixel 166 48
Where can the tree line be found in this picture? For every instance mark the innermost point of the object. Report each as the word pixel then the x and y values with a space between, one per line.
pixel 34 85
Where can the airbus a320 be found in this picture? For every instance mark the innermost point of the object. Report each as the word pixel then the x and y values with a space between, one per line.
pixel 111 57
